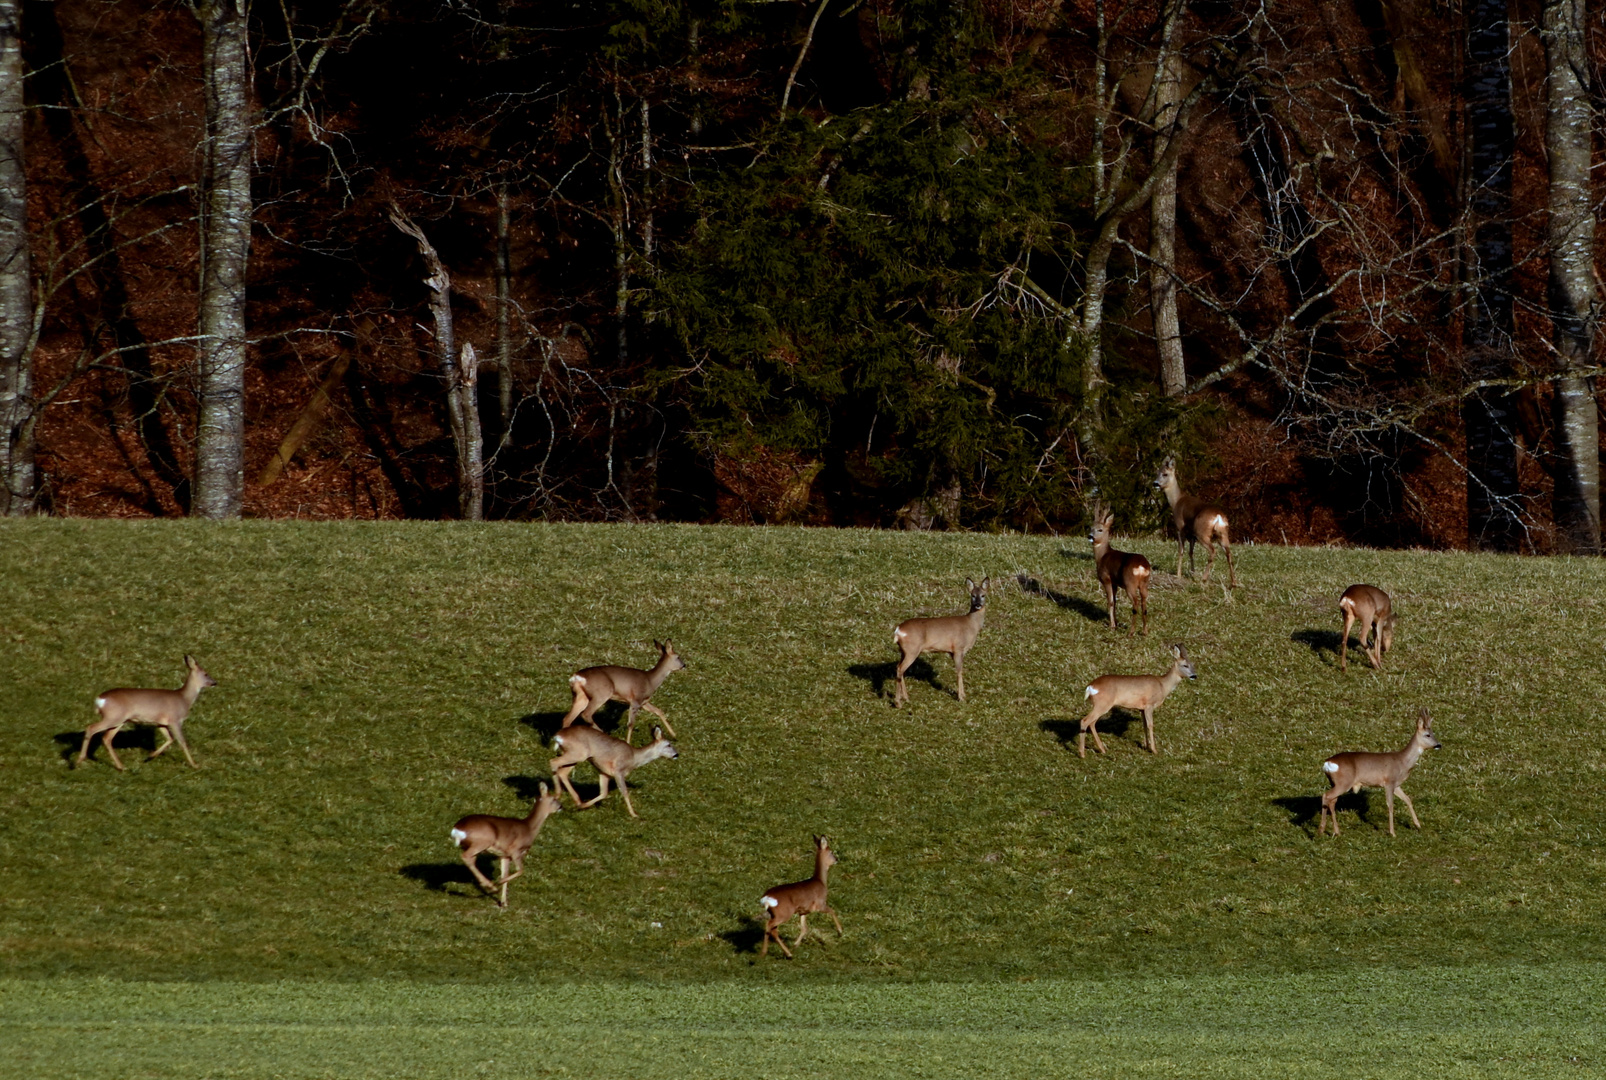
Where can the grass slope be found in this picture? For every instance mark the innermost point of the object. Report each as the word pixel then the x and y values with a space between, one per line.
pixel 378 681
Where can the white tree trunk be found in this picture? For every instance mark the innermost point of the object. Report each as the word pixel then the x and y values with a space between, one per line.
pixel 17 487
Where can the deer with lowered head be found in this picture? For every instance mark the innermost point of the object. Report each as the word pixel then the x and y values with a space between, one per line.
pixel 951 634
pixel 1140 693
pixel 1119 570
pixel 1354 770
pixel 1372 608
pixel 1196 521
pixel 800 898
pixel 507 838
pixel 166 709
pixel 614 759
pixel 595 686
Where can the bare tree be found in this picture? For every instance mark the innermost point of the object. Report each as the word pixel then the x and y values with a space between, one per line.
pixel 1163 214
pixel 17 322
pixel 225 252
pixel 1574 305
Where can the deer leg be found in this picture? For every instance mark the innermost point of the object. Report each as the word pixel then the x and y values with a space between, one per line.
pixel 1232 571
pixel 106 740
pixel 959 672
pixel 803 929
pixel 1343 640
pixel 1388 798
pixel 470 860
pixel 560 777
pixel 1109 603
pixel 83 750
pixel 626 793
pixel 902 693
pixel 581 700
pixel 659 713
pixel 630 722
pixel 1090 724
pixel 773 931
pixel 832 912
pixel 178 733
pixel 167 734
pixel 1329 809
pixel 1414 819
pixel 602 790
pixel 1148 727
pixel 1180 542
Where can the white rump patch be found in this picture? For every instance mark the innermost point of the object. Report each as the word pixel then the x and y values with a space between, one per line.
pixel 1219 522
pixel 458 836
pixel 581 679
pixel 769 901
pixel 557 742
pixel 1329 766
pixel 100 703
pixel 899 632
pixel 1091 691
pixel 1140 571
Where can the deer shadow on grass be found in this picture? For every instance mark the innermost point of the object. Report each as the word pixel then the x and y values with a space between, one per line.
pixel 1114 724
pixel 437 876
pixel 747 937
pixel 527 788
pixel 1032 587
pixel 1304 811
pixel 132 737
pixel 1319 642
pixel 879 675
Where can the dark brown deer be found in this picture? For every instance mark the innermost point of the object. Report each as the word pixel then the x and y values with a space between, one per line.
pixel 951 634
pixel 507 838
pixel 1372 608
pixel 1143 693
pixel 1354 770
pixel 613 758
pixel 166 709
pixel 594 686
pixel 1119 570
pixel 800 898
pixel 1196 521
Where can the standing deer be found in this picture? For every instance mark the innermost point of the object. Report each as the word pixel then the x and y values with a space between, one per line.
pixel 951 634
pixel 800 898
pixel 507 838
pixel 1196 521
pixel 1354 770
pixel 1371 607
pixel 1119 570
pixel 594 686
pixel 613 758
pixel 165 709
pixel 1139 692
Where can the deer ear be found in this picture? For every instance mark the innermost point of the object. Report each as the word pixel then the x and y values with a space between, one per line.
pixel 189 661
pixel 1176 650
pixel 657 733
pixel 969 583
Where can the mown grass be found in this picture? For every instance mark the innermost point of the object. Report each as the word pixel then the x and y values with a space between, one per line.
pixel 379 680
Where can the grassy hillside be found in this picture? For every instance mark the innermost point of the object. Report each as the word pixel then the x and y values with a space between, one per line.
pixel 378 681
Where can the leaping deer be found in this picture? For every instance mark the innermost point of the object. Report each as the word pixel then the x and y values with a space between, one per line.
pixel 166 709
pixel 593 686
pixel 800 898
pixel 951 634
pixel 1195 520
pixel 507 838
pixel 1354 770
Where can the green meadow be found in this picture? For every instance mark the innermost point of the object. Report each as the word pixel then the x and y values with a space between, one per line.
pixel 294 907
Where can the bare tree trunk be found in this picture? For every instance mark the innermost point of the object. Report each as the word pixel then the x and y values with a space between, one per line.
pixel 225 250
pixel 1573 302
pixel 1163 220
pixel 1489 415
pixel 460 372
pixel 17 487
pixel 504 312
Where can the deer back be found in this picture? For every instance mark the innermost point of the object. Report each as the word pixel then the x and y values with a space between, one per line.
pixel 1368 602
pixel 506 836
pixel 154 706
pixel 810 895
pixel 1356 769
pixel 945 633
pixel 1141 691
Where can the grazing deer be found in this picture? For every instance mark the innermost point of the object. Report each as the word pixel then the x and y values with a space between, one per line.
pixel 952 634
pixel 1354 770
pixel 800 898
pixel 594 686
pixel 613 758
pixel 1371 607
pixel 1196 521
pixel 505 837
pixel 1139 692
pixel 165 709
pixel 1119 570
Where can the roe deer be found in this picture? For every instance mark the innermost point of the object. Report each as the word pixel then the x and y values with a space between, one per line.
pixel 1371 607
pixel 952 634
pixel 800 898
pixel 595 686
pixel 507 838
pixel 613 758
pixel 1140 692
pixel 1354 770
pixel 1195 521
pixel 165 709
pixel 1119 570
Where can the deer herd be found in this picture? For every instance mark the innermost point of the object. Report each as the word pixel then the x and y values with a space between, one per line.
pixel 579 739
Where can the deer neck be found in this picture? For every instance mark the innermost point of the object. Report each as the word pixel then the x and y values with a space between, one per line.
pixel 821 867
pixel 1169 681
pixel 1101 548
pixel 1413 750
pixel 1173 492
pixel 657 674
pixel 977 615
pixel 192 688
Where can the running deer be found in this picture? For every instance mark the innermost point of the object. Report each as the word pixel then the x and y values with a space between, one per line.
pixel 613 759
pixel 951 634
pixel 1354 770
pixel 595 686
pixel 1138 692
pixel 800 898
pixel 1196 521
pixel 165 709
pixel 1119 570
pixel 1371 607
pixel 507 838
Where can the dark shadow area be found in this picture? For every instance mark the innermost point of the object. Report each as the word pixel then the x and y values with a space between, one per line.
pixel 1033 587
pixel 436 876
pixel 1305 810
pixel 1318 642
pixel 610 718
pixel 880 676
pixel 1113 725
pixel 527 788
pixel 746 937
pixel 132 737
pixel 1063 730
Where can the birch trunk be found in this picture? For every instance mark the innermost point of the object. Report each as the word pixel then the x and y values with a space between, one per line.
pixel 225 250
pixel 504 313
pixel 1570 237
pixel 1163 220
pixel 17 486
